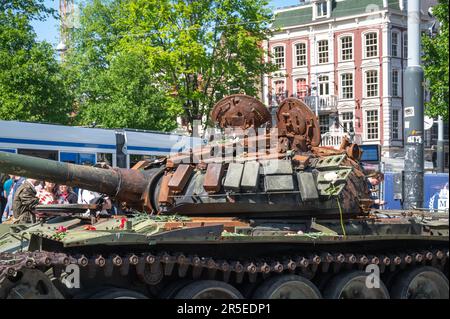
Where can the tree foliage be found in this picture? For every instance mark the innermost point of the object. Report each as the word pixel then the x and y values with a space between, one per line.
pixel 114 88
pixel 436 61
pixel 32 86
pixel 166 58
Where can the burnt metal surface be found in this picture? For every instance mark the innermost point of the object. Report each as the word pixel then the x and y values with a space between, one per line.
pixel 298 124
pixel 180 178
pixel 240 110
pixel 213 177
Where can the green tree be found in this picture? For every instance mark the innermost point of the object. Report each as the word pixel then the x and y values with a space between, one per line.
pixel 114 88
pixel 184 56
pixel 436 56
pixel 32 87
pixel 204 50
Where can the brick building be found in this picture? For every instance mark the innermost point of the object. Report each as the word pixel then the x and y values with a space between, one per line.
pixel 345 59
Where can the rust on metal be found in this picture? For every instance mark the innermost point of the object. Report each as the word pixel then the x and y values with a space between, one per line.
pixel 297 123
pixel 213 177
pixel 241 111
pixel 180 178
pixel 165 194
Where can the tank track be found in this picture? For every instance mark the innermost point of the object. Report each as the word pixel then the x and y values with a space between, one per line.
pixel 165 264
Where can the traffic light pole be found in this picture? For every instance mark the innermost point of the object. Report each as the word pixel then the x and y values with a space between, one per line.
pixel 413 116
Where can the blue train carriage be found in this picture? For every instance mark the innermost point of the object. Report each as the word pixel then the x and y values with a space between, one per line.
pixel 81 145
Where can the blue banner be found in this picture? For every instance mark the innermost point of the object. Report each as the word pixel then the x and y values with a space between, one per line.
pixel 435 192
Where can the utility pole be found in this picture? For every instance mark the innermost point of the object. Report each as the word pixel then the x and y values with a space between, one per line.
pixel 440 146
pixel 66 14
pixel 413 116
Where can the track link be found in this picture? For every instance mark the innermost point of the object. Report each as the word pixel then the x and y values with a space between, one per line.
pixel 166 264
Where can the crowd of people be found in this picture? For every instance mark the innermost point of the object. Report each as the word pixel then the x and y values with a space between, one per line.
pixel 19 197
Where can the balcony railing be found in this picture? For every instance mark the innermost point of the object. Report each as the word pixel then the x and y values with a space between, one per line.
pixel 334 139
pixel 324 104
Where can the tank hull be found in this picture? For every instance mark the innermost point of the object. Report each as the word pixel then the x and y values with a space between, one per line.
pixel 150 255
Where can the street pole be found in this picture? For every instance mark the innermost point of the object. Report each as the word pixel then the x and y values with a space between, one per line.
pixel 413 114
pixel 440 146
pixel 317 105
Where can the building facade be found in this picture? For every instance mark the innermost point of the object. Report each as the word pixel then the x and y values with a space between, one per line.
pixel 345 59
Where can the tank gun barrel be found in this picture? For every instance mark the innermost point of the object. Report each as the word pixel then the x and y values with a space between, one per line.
pixel 124 184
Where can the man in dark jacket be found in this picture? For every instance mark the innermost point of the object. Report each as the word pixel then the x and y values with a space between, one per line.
pixel 25 201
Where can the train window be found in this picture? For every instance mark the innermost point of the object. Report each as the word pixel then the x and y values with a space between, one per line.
pixel 46 154
pixel 105 158
pixel 86 159
pixel 77 158
pixel 68 157
pixel 8 150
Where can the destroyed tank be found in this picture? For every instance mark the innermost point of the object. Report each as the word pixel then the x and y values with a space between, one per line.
pixel 261 211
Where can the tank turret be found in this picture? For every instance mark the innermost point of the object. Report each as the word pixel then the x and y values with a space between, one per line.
pixel 250 168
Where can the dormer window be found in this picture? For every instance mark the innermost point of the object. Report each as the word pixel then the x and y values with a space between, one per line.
pixel 322 9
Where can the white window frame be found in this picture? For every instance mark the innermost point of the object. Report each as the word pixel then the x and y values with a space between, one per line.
pixel 364 42
pixel 345 121
pixel 366 84
pixel 274 86
pixel 398 125
pixel 322 116
pixel 306 84
pixel 341 49
pixel 323 85
pixel 327 51
pixel 294 55
pixel 366 125
pixel 284 55
pixel 319 9
pixel 396 86
pixel 274 90
pixel 394 51
pixel 342 86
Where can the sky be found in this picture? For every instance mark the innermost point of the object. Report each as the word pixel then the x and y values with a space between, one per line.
pixel 48 30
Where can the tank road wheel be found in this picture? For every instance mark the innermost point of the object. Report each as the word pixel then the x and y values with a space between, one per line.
pixel 29 284
pixel 118 293
pixel 169 291
pixel 352 285
pixel 420 283
pixel 287 287
pixel 208 289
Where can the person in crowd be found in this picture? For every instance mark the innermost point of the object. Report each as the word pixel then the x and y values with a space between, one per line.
pixel 7 185
pixel 66 195
pixel 18 181
pixel 25 201
pixel 373 181
pixel 5 181
pixel 7 212
pixel 434 157
pixel 47 195
pixel 89 197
